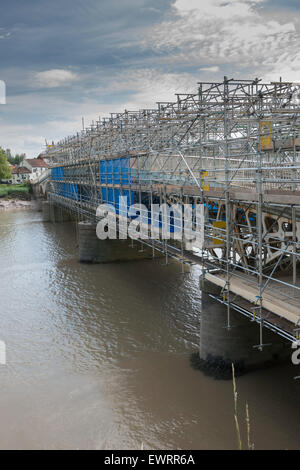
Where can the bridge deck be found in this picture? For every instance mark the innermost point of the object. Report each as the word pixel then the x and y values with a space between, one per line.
pixel 278 298
pixel 280 197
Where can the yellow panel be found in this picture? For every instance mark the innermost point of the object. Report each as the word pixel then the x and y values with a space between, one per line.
pixel 217 224
pixel 266 135
pixel 205 184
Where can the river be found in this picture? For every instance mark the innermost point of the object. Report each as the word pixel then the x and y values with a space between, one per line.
pixel 98 355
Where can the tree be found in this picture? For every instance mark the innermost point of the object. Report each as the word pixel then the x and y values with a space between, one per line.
pixel 17 159
pixel 5 170
pixel 8 154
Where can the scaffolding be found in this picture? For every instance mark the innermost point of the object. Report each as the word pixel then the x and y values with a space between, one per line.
pixel 234 147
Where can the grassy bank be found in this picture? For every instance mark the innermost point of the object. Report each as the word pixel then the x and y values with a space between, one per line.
pixel 18 191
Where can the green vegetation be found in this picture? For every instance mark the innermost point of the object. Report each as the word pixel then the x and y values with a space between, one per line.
pixel 10 191
pixel 20 191
pixel 17 159
pixel 5 171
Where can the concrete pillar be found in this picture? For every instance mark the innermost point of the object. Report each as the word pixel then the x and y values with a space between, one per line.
pixel 88 242
pixel 220 346
pixel 54 214
pixel 46 211
pixel 38 204
pixel 93 250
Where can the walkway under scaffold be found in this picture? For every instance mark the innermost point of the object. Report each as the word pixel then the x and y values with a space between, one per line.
pixel 232 146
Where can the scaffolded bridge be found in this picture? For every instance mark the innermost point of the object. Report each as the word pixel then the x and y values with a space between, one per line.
pixel 233 146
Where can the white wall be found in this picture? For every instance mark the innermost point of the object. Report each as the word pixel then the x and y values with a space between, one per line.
pixel 17 178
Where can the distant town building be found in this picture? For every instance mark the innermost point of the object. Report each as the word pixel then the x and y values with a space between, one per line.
pixel 30 169
pixel 20 175
pixel 36 166
pixel 44 157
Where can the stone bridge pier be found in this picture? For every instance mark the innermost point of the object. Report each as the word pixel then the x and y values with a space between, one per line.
pixel 221 346
pixel 93 250
pixel 53 213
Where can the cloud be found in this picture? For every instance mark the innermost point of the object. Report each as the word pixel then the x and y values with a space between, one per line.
pixel 25 138
pixel 54 78
pixel 147 86
pixel 75 58
pixel 212 69
pixel 4 33
pixel 2 92
pixel 224 9
pixel 231 33
pixel 48 35
pixel 286 66
pixel 52 115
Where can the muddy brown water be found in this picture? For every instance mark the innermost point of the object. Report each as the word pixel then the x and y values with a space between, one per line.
pixel 98 356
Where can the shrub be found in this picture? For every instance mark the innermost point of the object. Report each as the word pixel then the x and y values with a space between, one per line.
pixel 16 190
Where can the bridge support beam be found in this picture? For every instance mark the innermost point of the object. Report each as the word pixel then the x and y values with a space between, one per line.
pixel 93 250
pixel 220 346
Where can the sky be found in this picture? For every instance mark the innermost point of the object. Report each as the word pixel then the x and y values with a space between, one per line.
pixel 64 60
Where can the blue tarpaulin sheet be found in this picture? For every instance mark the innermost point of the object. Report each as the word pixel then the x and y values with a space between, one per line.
pixel 111 196
pixel 115 171
pixel 57 173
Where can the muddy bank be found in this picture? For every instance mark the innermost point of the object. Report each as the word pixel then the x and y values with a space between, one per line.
pixel 12 204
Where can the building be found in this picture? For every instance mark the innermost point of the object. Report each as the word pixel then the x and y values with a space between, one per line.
pixel 20 175
pixel 36 166
pixel 43 156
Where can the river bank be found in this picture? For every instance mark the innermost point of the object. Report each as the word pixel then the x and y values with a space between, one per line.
pixel 12 204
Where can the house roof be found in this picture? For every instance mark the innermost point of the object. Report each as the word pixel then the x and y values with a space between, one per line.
pixel 20 170
pixel 36 162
